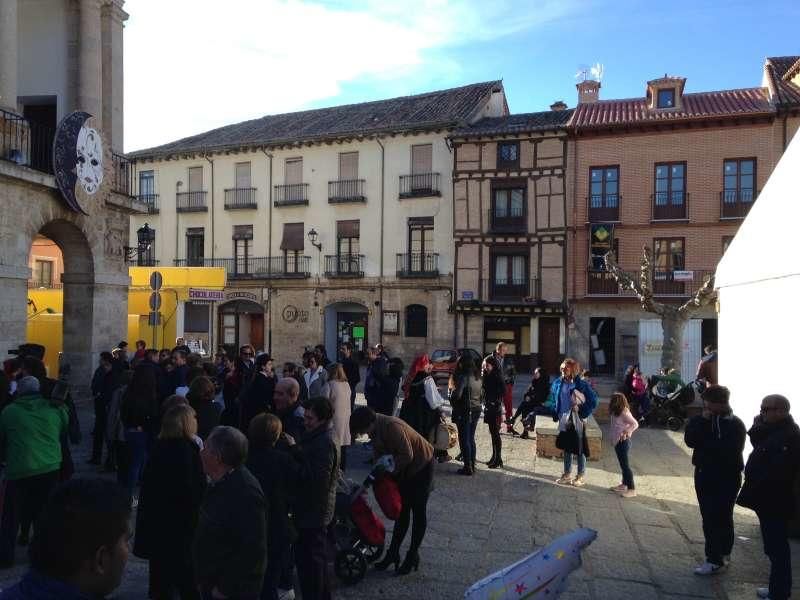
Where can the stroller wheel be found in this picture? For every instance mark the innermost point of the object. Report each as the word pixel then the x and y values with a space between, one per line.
pixel 350 566
pixel 372 553
pixel 674 423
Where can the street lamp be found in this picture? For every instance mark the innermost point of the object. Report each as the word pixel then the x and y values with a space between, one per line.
pixel 145 236
pixel 312 237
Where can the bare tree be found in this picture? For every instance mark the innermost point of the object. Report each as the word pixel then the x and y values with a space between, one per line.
pixel 673 316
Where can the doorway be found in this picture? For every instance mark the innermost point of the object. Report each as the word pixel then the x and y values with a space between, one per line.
pixel 549 343
pixel 601 336
pixel 241 322
pixel 347 322
pixel 515 332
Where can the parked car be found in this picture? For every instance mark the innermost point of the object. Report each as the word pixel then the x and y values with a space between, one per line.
pixel 444 362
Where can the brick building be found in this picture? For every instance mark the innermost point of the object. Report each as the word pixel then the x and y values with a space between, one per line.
pixel 676 172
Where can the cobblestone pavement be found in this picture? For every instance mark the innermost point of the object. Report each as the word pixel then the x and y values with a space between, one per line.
pixel 646 547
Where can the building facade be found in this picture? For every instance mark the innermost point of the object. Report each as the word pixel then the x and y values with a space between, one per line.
pixel 334 225
pixel 674 172
pixel 509 224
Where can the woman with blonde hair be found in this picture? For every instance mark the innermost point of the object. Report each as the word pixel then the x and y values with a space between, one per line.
pixel 172 489
pixel 339 395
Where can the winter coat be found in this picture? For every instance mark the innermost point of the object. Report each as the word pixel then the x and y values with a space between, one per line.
pixel 277 473
pixel 230 542
pixel 352 371
pixel 415 410
pixel 717 443
pixel 115 430
pixel 772 468
pixel 169 503
pixel 584 410
pixel 138 411
pixel 316 382
pixel 257 398
pixel 208 416
pixel 410 450
pixel 708 369
pixel 466 396
pixel 31 430
pixel 339 395
pixel 35 586
pixel 318 460
pixel 380 389
pixel 494 390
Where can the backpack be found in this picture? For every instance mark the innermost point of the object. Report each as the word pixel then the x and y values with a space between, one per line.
pixel 395 368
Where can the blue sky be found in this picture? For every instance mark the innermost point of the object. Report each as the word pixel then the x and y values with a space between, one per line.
pixel 189 70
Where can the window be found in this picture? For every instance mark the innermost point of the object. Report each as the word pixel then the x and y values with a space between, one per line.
pixel 348 246
pixel 147 184
pixel 420 244
pixel 421 159
pixel 195 317
pixel 293 171
pixel 510 270
pixel 229 328
pixel 195 179
pixel 670 191
pixel 598 254
pixel 242 247
pixel 604 193
pixel 348 166
pixel 740 177
pixel 243 175
pixel 148 257
pixel 665 98
pixel 292 244
pixel 195 246
pixel 416 321
pixel 669 254
pixel 507 155
pixel 43 273
pixel 509 203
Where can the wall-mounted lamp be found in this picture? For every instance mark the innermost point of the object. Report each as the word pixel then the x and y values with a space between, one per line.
pixel 312 237
pixel 145 236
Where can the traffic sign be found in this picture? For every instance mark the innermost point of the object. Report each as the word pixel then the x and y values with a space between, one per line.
pixel 156 280
pixel 154 319
pixel 155 301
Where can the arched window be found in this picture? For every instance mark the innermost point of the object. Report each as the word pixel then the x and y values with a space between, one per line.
pixel 416 321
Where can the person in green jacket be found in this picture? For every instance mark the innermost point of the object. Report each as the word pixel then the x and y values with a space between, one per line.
pixel 30 445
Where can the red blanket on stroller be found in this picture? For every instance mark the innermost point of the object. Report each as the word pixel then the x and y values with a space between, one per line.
pixel 369 525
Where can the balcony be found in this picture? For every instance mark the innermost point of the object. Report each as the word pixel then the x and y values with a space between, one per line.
pixel 344 265
pixel 141 261
pixel 507 221
pixel 151 201
pixel 346 190
pixel 121 174
pixel 44 285
pixel 253 267
pixel 191 202
pixel 293 194
pixel 735 204
pixel 678 284
pixel 604 209
pixel 26 143
pixel 240 198
pixel 418 264
pixel 419 185
pixel 512 291
pixel 670 206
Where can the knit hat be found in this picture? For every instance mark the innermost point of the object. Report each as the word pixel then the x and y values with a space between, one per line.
pixel 27 386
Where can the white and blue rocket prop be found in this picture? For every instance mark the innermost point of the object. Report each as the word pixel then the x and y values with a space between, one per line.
pixel 542 574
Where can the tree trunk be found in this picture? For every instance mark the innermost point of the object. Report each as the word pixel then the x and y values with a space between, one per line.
pixel 673 324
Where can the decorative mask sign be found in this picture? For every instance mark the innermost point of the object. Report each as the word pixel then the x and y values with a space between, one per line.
pixel 80 160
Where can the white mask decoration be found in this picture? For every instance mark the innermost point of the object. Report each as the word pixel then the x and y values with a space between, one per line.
pixel 90 160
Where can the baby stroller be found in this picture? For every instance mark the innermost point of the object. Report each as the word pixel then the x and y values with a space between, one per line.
pixel 668 408
pixel 358 531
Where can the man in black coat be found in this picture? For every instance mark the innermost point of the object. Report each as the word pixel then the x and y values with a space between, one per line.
pixel 717 437
pixel 351 371
pixel 106 379
pixel 230 543
pixel 769 480
pixel 380 389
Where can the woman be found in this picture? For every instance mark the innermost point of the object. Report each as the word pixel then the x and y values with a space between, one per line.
pixel 416 411
pixel 339 395
pixel 465 399
pixel 139 412
pixel 413 458
pixel 494 389
pixel 258 397
pixel 315 377
pixel 572 401
pixel 172 490
pixel 532 404
pixel 201 399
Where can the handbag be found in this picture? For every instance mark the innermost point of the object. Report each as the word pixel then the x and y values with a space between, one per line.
pixel 445 435
pixel 567 440
pixel 387 493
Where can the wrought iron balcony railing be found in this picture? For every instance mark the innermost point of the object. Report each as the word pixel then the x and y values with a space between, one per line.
pixel 418 264
pixel 346 190
pixel 238 198
pixel 191 202
pixel 419 185
pixel 344 265
pixel 292 194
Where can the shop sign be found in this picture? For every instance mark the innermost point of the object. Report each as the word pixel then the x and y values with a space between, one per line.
pixel 467 295
pixel 683 275
pixel 242 295
pixel 292 314
pixel 213 295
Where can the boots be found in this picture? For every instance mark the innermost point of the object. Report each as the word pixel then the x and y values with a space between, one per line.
pixel 392 558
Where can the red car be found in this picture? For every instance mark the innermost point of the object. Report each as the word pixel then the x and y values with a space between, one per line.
pixel 444 362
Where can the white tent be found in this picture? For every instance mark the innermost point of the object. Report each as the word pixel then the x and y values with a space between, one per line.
pixel 758 281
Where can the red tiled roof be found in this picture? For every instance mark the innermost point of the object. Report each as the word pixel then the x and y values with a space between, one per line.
pixel 778 70
pixel 704 105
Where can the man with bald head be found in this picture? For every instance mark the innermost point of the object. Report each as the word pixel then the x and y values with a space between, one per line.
pixel 288 407
pixel 769 482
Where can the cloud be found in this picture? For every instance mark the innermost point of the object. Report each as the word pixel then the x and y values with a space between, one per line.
pixel 192 65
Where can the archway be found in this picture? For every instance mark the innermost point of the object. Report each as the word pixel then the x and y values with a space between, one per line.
pixel 241 322
pixel 346 322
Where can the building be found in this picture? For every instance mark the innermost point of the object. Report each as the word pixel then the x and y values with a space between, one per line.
pixel 336 220
pixel 510 204
pixel 676 172
pixel 56 58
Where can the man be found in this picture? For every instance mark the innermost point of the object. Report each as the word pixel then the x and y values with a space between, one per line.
pixel 287 405
pixel 378 385
pixel 290 369
pixel 180 344
pixel 351 371
pixel 177 378
pixel 717 438
pixel 105 380
pixel 230 542
pixel 141 349
pixel 81 544
pixel 30 444
pixel 707 368
pixel 122 355
pixel 509 374
pixel 769 481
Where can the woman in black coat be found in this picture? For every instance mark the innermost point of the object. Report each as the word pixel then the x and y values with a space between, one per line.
pixel 201 399
pixel 172 490
pixel 258 397
pixel 494 390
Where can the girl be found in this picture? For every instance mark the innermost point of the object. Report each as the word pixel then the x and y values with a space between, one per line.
pixel 494 390
pixel 639 393
pixel 622 427
pixel 465 399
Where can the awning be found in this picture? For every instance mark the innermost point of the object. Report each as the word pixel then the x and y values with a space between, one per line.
pixel 293 238
pixel 347 229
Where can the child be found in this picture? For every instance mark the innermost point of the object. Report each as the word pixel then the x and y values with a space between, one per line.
pixel 622 427
pixel 639 394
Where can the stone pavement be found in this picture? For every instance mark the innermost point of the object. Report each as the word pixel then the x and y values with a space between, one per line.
pixel 646 547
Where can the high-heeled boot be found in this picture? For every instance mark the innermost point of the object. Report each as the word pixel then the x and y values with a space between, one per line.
pixel 411 562
pixel 392 557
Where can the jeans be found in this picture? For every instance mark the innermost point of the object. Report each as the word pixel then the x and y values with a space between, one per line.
pixel 622 449
pixel 467 424
pixel 137 452
pixel 311 559
pixel 774 531
pixel 568 463
pixel 716 495
pixel 508 402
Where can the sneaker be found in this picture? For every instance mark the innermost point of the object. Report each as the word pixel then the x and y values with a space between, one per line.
pixel 579 482
pixel 708 568
pixel 619 488
pixel 565 479
pixel 763 593
pixel 628 493
pixel 134 502
pixel 285 594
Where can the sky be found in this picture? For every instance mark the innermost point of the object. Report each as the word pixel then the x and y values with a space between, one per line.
pixel 193 65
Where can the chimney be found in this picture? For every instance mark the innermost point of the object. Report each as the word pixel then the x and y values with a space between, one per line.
pixel 558 106
pixel 588 91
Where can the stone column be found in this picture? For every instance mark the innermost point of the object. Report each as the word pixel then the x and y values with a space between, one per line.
pixel 113 18
pixel 8 55
pixel 13 299
pixel 90 60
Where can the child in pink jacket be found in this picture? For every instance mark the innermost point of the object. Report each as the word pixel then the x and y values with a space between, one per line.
pixel 622 427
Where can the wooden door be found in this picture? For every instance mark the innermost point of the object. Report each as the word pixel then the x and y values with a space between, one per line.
pixel 257 331
pixel 549 334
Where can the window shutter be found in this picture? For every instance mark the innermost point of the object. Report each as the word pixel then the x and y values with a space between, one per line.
pixel 243 175
pixel 421 159
pixel 294 171
pixel 347 229
pixel 243 232
pixel 195 179
pixel 194 231
pixel 293 237
pixel 348 165
pixel 420 221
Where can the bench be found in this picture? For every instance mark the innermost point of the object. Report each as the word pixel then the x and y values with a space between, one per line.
pixel 547 432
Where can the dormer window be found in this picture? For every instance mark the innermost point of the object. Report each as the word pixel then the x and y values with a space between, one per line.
pixel 666 98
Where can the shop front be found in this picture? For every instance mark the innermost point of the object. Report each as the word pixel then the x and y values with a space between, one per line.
pixel 241 320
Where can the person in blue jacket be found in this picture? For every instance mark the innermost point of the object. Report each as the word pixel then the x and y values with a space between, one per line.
pixel 570 394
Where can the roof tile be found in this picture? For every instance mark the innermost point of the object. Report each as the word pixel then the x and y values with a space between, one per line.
pixel 519 123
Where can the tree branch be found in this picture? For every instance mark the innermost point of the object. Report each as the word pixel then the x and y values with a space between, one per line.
pixel 701 297
pixel 643 288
